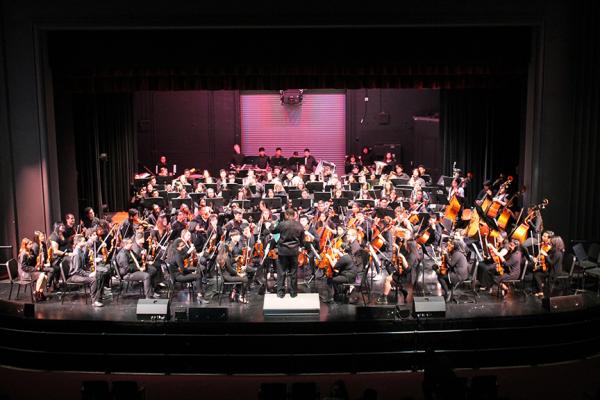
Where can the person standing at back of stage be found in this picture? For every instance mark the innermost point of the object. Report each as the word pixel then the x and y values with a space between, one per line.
pixel 237 160
pixel 290 239
pixel 309 161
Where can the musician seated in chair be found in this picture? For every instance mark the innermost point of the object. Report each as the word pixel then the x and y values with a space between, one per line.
pixel 455 270
pixel 345 267
pixel 132 269
pixel 79 271
pixel 180 260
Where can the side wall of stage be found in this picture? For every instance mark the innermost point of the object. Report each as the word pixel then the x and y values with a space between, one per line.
pixel 560 146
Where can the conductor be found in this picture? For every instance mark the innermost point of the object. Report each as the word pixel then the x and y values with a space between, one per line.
pixel 290 239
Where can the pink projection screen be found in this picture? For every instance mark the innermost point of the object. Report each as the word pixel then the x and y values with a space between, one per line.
pixel 319 123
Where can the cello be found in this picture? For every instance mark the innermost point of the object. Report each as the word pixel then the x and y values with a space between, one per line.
pixel 452 209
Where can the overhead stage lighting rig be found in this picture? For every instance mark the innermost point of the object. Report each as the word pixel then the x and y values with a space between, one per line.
pixel 291 96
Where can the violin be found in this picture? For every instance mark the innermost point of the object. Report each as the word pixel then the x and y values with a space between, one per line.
pixel 541 260
pixel 443 265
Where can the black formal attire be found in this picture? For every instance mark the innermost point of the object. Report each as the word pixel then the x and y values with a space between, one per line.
pixel 58 261
pixel 129 271
pixel 91 223
pixel 78 273
pixel 238 159
pixel 344 271
pixel 291 235
pixel 262 162
pixel 184 274
pixel 278 161
pixel 458 270
pixel 310 163
pixel 230 275
pixel 554 265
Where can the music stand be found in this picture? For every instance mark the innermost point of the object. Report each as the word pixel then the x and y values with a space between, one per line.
pixel 172 195
pixel 233 187
pixel 315 186
pixel 295 162
pixel 252 160
pixel 163 180
pixel 294 194
pixel 227 194
pixel 176 203
pixel 253 216
pixel 349 194
pixel 269 186
pixel 305 204
pixel 149 202
pixel 140 182
pixel 384 212
pixel 252 189
pixel 365 202
pixel 243 204
pixel 355 186
pixel 341 202
pixel 325 196
pixel 215 202
pixel 254 201
pixel 399 182
pixel 273 203
pixel 197 196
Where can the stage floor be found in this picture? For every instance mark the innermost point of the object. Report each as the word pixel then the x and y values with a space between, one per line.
pixel 124 308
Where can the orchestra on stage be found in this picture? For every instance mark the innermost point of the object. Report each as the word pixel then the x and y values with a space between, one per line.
pixel 270 224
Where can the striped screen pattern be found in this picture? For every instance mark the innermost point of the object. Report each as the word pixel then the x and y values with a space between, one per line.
pixel 319 123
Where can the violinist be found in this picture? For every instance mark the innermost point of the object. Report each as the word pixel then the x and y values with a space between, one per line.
pixel 180 223
pixel 129 226
pixel 154 214
pixel 40 251
pixel 181 268
pixel 139 250
pixel 395 272
pixel 511 266
pixel 237 221
pixel 80 271
pixel 547 261
pixel 60 251
pixel 70 229
pixel 345 263
pixel 230 274
pixel 90 221
pixel 418 200
pixel 456 268
pixel 28 271
pixel 132 269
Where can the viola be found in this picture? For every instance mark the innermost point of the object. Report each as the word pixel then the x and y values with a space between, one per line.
pixel 259 250
pixel 302 258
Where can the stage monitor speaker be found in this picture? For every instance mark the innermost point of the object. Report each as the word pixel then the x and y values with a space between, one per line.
pixel 153 309
pixel 208 314
pixel 403 311
pixel 429 307
pixel 370 313
pixel 181 313
pixel 563 303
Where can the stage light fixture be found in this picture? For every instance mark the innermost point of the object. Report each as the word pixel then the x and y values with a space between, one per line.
pixel 291 96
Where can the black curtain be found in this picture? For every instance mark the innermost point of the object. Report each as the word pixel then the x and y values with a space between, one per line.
pixel 481 131
pixel 585 171
pixel 105 144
